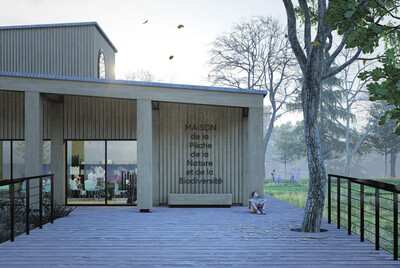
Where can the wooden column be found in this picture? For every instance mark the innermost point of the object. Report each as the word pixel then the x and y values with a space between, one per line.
pixel 58 152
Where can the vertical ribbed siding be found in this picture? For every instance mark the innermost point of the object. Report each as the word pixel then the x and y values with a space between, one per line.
pixel 92 118
pixel 12 115
pixel 56 51
pixel 226 152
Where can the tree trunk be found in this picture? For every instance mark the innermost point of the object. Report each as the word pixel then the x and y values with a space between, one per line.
pixel 317 184
pixel 386 163
pixel 266 139
pixel 393 157
pixel 348 159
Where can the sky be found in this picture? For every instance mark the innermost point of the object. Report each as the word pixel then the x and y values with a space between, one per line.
pixel 148 46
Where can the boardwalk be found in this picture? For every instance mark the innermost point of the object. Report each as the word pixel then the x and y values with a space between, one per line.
pixel 188 237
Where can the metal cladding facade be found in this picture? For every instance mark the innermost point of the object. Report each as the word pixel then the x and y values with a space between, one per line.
pixel 56 49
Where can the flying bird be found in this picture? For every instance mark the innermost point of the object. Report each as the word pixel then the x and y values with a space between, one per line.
pixel 145 22
pixel 171 57
pixel 180 26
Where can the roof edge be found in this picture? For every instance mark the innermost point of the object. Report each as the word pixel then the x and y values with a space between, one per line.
pixel 136 83
pixel 72 24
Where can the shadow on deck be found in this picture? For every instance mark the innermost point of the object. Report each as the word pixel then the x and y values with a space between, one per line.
pixel 121 237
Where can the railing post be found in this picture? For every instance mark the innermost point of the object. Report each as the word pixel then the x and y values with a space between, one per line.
pixel 395 226
pixel 376 219
pixel 329 199
pixel 362 213
pixel 348 207
pixel 52 199
pixel 40 203
pixel 338 202
pixel 12 208
pixel 27 206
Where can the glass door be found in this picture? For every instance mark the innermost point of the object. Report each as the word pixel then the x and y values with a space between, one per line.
pixel 93 180
pixel 86 173
pixel 121 172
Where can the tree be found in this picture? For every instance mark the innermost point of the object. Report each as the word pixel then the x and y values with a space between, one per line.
pixel 382 139
pixel 316 64
pixel 288 143
pixel 355 92
pixel 256 55
pixel 140 75
pixel 366 23
pixel 331 134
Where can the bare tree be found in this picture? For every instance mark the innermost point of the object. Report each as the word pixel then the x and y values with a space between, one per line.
pixel 315 57
pixel 140 75
pixel 256 55
pixel 356 97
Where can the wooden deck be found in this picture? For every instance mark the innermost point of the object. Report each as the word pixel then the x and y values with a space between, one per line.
pixel 188 237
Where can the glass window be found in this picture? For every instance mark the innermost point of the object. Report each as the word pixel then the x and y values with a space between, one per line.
pixel 122 170
pixel 93 180
pixel 18 159
pixel 101 68
pixel 5 161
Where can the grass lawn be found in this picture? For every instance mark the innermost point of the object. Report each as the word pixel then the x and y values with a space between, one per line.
pixel 296 194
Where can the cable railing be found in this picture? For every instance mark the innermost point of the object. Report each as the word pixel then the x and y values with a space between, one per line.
pixel 367 208
pixel 29 196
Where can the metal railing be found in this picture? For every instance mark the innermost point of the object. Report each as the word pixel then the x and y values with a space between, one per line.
pixel 377 211
pixel 37 197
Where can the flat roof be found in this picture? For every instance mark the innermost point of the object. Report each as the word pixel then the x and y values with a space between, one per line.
pixel 92 23
pixel 136 83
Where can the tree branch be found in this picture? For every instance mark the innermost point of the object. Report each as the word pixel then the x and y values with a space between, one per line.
pixel 344 65
pixel 292 33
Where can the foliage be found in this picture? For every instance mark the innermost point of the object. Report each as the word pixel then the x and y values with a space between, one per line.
pixel 381 139
pixel 366 23
pixel 34 217
pixel 386 86
pixel 331 134
pixel 289 143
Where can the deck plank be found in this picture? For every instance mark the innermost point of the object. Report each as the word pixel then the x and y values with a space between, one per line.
pixel 188 237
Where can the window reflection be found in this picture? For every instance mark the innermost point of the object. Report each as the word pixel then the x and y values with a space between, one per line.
pixel 93 180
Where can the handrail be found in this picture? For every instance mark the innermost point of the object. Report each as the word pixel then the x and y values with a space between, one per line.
pixel 394 189
pixel 22 179
pixel 11 192
pixel 376 184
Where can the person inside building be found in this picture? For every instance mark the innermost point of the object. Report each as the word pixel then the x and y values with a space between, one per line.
pixel 257 204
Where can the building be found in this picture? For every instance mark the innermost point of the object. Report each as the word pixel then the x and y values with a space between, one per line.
pixel 157 143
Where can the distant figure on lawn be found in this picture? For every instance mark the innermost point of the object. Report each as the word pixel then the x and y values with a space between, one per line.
pixel 257 204
pixel 298 176
pixel 279 179
pixel 292 175
pixel 273 175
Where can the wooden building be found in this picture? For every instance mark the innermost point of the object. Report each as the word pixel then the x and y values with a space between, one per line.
pixel 173 144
